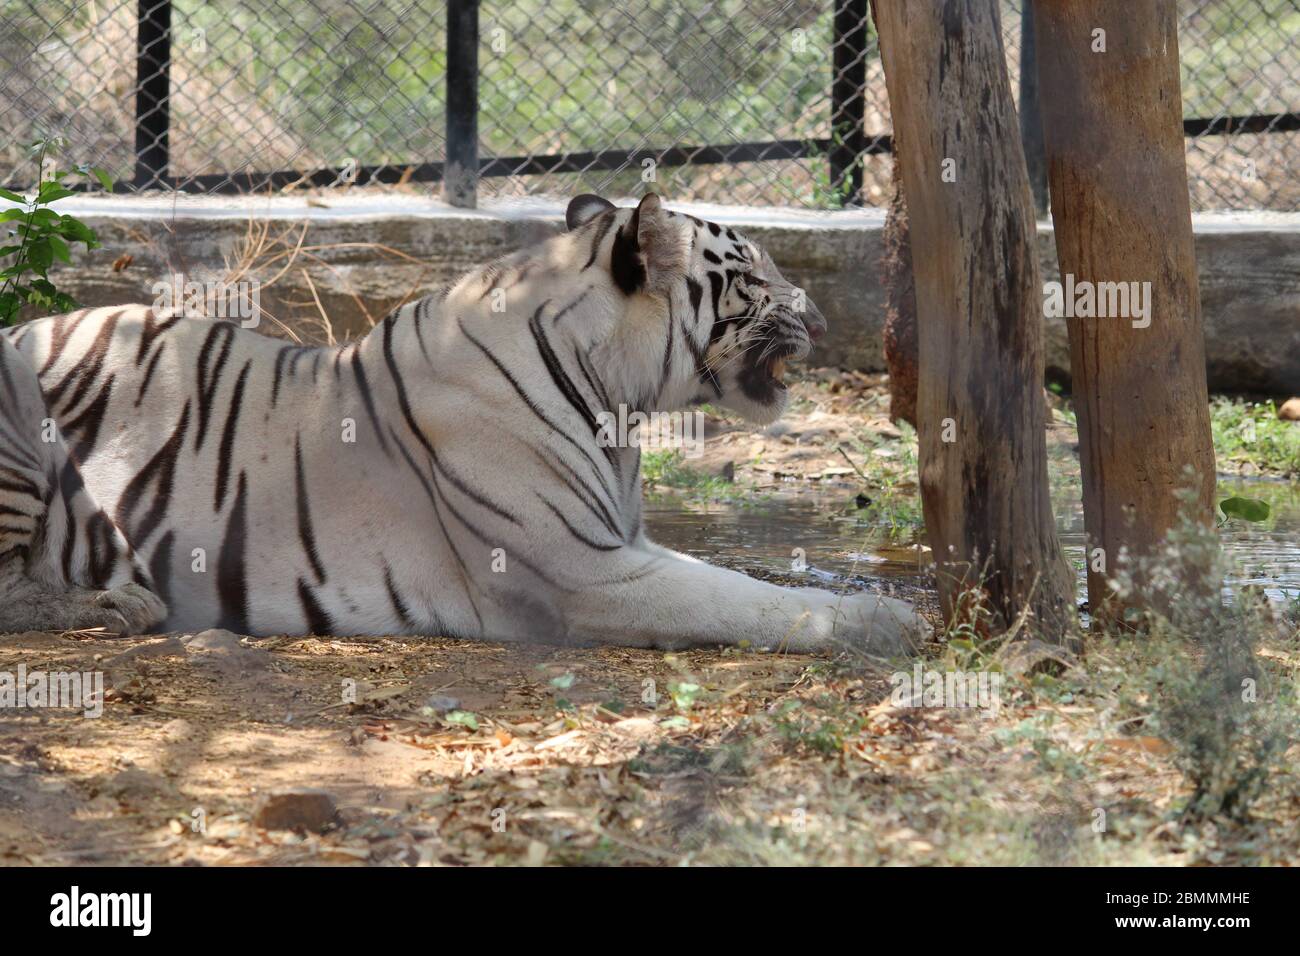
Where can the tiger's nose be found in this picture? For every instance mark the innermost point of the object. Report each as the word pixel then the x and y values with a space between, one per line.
pixel 814 322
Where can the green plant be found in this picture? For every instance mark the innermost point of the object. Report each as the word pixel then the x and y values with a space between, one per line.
pixel 665 468
pixel 1251 433
pixel 39 236
pixel 1227 717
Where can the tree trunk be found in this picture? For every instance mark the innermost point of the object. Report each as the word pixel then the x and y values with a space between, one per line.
pixel 901 350
pixel 980 409
pixel 1112 117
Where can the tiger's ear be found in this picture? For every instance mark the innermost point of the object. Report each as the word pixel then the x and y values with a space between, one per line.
pixel 584 208
pixel 649 253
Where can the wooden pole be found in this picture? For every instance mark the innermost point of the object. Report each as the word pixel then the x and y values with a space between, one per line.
pixel 980 411
pixel 1112 118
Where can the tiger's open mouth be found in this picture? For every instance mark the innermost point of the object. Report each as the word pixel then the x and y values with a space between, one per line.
pixel 764 380
pixel 776 371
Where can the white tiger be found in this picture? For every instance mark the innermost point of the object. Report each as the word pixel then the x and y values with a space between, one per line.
pixel 161 471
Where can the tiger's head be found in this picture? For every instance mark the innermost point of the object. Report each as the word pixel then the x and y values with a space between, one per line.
pixel 736 320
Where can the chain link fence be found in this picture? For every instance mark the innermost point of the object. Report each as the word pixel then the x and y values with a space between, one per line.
pixel 757 102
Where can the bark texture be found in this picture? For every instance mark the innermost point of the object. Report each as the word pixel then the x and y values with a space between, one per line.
pixel 1112 119
pixel 901 349
pixel 980 410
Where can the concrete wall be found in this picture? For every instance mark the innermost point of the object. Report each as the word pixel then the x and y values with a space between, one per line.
pixel 377 249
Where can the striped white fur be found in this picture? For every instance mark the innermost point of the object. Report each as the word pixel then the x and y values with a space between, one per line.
pixel 211 466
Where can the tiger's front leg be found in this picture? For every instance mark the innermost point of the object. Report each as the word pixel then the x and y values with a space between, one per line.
pixel 658 598
pixel 64 564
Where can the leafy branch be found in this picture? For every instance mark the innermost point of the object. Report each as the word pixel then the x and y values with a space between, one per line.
pixel 40 236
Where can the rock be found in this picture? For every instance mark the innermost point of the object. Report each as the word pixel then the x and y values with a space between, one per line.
pixel 135 787
pixel 296 809
pixel 223 651
pixel 441 703
pixel 1290 410
pixel 213 640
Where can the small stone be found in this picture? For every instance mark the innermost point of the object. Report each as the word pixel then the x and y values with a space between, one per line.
pixel 297 809
pixel 1290 410
pixel 213 640
pixel 441 703
pixel 167 647
pixel 135 787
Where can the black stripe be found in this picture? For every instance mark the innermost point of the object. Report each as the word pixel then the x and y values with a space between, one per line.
pixel 593 380
pixel 399 606
pixel 533 407
pixel 59 338
pixel 101 548
pixel 558 374
pixel 160 567
pixel 161 471
pixel 70 484
pixel 402 400
pixel 490 543
pixel 465 578
pixel 280 357
pixel 582 491
pixel 669 334
pixel 88 423
pixel 232 572
pixel 87 368
pixel 696 292
pixel 306 535
pixel 318 620
pixel 419 312
pixel 576 533
pixel 601 230
pixel 565 384
pixel 208 379
pixel 366 398
pixel 27 488
pixel 473 495
pixel 715 289
pixel 148 374
pixel 227 448
pixel 150 332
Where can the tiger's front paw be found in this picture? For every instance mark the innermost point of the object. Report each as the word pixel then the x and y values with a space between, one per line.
pixel 139 608
pixel 879 626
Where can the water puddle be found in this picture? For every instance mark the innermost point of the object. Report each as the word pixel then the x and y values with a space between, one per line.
pixel 821 534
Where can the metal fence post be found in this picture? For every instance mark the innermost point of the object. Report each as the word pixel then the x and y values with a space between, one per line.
pixel 460 173
pixel 848 99
pixel 152 91
pixel 1031 118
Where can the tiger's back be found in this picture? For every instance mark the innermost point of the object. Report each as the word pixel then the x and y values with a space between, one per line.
pixel 213 449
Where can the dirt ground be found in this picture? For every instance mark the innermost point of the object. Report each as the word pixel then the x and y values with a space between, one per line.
pixel 215 750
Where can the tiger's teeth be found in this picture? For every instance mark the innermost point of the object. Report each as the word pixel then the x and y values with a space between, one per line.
pixel 778 368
